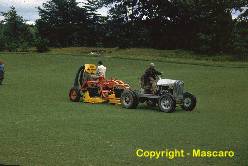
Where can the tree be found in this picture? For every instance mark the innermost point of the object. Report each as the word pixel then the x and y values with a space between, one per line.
pixel 123 28
pixel 2 42
pixel 97 24
pixel 199 25
pixel 194 24
pixel 240 36
pixel 15 32
pixel 63 23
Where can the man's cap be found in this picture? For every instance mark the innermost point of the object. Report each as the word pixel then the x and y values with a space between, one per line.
pixel 99 63
pixel 152 65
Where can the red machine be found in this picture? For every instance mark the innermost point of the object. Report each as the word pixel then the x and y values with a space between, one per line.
pixel 93 89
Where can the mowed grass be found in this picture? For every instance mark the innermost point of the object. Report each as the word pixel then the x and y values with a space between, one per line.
pixel 40 126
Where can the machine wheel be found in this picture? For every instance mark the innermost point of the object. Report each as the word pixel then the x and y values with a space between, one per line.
pixel 129 99
pixel 189 102
pixel 74 94
pixel 167 103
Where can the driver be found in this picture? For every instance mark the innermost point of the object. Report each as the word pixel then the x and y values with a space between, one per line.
pixel 148 80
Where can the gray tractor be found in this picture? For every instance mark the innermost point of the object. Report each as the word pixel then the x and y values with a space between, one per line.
pixel 169 94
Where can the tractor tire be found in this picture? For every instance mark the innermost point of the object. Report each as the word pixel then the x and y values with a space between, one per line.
pixel 74 94
pixel 129 99
pixel 167 103
pixel 189 102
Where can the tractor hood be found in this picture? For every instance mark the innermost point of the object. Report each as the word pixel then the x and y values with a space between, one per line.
pixel 164 82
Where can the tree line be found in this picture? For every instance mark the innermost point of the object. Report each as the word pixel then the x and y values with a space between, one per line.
pixel 198 25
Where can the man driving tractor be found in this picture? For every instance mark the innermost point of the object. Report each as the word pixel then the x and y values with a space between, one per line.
pixel 148 79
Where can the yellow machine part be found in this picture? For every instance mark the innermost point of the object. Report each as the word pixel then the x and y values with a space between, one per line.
pixel 93 100
pixel 113 100
pixel 90 68
pixel 98 100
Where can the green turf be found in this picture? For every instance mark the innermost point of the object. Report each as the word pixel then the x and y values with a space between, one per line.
pixel 40 126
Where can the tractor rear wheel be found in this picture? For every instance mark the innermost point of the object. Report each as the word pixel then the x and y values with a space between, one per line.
pixel 189 102
pixel 74 94
pixel 129 99
pixel 167 103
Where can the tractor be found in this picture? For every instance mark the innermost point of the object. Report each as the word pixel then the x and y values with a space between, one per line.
pixel 169 94
pixel 90 88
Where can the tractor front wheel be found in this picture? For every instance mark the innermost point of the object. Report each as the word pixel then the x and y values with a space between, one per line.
pixel 167 103
pixel 74 94
pixel 189 102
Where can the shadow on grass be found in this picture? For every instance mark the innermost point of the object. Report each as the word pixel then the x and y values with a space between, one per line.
pixel 203 62
pixel 140 108
pixel 8 165
pixel 197 63
pixel 184 63
pixel 178 110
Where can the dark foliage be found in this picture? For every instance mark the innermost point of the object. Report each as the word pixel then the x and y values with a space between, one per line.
pixel 198 25
pixel 41 44
pixel 64 24
pixel 14 33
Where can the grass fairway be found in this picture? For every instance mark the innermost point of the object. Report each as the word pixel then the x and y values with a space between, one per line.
pixel 40 126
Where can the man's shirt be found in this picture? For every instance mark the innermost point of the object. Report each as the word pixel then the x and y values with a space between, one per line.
pixel 101 70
